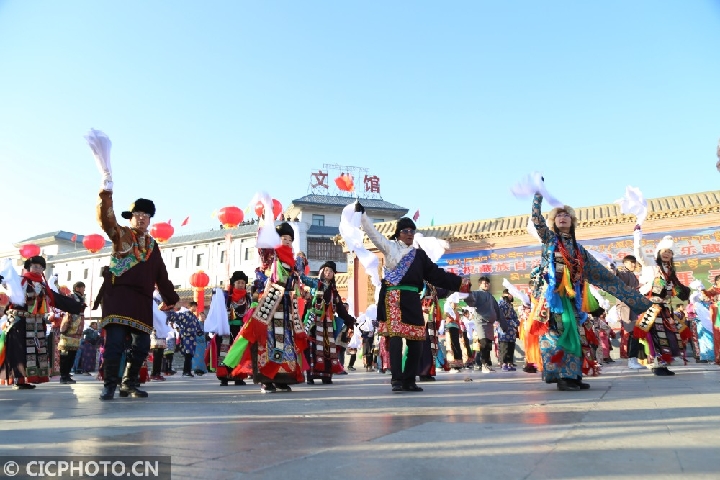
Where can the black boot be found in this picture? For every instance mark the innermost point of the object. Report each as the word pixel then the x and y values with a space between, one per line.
pixel 110 376
pixel 581 384
pixel 662 372
pixel 131 382
pixel 566 384
pixel 66 362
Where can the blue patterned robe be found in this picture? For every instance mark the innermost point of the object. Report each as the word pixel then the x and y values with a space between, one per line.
pixel 569 366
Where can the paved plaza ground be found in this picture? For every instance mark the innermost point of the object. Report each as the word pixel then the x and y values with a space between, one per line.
pixel 500 425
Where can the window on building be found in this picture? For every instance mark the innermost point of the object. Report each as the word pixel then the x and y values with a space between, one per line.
pixel 199 259
pixel 247 254
pixel 318 220
pixel 324 249
pixel 378 220
pixel 222 256
pixel 85 274
pixel 178 261
pixel 69 276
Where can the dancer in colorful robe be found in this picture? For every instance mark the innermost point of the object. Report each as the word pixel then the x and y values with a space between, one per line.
pixel 23 353
pixel 564 297
pixel 658 326
pixel 270 344
pixel 400 313
pixel 322 352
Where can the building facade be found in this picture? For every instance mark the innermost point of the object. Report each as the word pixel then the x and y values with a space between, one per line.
pixel 314 218
pixel 502 247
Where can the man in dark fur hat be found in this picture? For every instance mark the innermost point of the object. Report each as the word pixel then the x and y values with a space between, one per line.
pixel 136 267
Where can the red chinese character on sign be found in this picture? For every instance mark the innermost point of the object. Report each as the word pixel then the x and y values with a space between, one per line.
pixel 689 250
pixel 711 248
pixel 372 184
pixel 319 178
pixel 467 269
pixel 685 278
pixel 712 274
pixel 485 268
pixel 520 266
pixel 502 267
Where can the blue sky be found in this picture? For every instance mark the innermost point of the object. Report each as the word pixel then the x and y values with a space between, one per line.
pixel 449 103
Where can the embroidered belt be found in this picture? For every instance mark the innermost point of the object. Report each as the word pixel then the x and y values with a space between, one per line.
pixel 409 288
pixel 269 303
pixel 22 313
pixel 647 320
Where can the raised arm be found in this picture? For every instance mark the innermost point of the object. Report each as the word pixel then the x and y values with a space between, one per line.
pixel 643 259
pixel 106 215
pixel 546 235
pixel 311 282
pixel 377 238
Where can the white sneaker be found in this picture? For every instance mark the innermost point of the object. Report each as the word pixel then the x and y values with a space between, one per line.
pixel 487 369
pixel 635 365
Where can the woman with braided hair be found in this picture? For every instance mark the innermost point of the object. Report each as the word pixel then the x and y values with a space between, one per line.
pixel 564 297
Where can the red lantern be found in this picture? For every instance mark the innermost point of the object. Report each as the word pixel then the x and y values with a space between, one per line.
pixel 277 209
pixel 230 217
pixel 199 281
pixel 162 231
pixel 29 250
pixel 93 242
pixel 345 182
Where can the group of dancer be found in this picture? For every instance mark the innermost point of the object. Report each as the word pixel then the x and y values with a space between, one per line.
pixel 284 339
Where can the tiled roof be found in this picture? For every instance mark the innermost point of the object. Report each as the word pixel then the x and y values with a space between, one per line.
pixel 57 235
pixel 340 201
pixel 607 214
pixel 326 231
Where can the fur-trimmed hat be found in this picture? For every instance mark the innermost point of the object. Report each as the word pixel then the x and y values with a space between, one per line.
pixel 565 208
pixel 285 229
pixel 665 244
pixel 37 259
pixel 402 224
pixel 238 275
pixel 140 205
pixel 330 264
